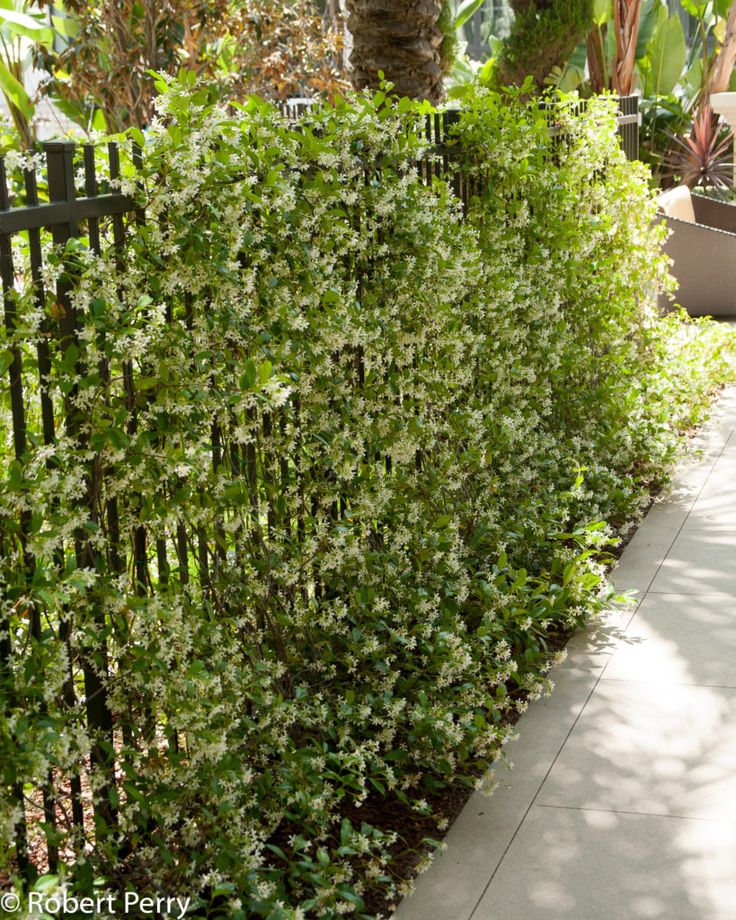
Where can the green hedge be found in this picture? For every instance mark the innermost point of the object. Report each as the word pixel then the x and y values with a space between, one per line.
pixel 361 450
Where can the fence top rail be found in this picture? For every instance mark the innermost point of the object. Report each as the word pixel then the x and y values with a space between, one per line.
pixel 34 217
pixel 72 209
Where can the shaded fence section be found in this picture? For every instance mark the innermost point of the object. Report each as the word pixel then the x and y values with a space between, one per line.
pixel 64 216
pixel 82 206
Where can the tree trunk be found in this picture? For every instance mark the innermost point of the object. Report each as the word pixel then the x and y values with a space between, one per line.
pixel 544 35
pixel 597 59
pixel 626 15
pixel 401 39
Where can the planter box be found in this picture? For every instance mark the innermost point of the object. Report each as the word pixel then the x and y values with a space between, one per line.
pixel 704 255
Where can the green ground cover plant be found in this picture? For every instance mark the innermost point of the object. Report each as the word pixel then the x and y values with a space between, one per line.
pixel 366 456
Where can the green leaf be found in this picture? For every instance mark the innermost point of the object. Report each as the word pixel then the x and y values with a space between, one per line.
pixel 71 356
pixel 695 8
pixel 693 78
pixel 133 791
pixel 65 25
pixel 323 857
pixel 99 122
pixel 15 92
pixel 223 888
pixel 249 376
pixel 466 10
pixel 653 12
pixel 46 882
pixel 573 73
pixel 602 11
pixel 667 53
pixel 486 72
pixel 73 110
pixel 15 475
pixel 14 23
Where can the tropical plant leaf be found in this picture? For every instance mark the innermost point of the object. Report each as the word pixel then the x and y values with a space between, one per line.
pixel 696 8
pixel 692 80
pixel 15 92
pixel 653 12
pixel 666 58
pixel 569 77
pixel 16 23
pixel 466 10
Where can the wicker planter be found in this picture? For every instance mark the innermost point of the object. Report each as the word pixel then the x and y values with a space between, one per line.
pixel 704 256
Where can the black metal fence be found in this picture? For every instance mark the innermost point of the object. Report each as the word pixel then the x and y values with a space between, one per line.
pixel 99 214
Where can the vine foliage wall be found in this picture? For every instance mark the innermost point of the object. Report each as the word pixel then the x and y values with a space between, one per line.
pixel 311 467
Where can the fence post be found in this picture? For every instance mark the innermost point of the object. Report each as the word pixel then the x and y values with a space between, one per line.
pixel 628 108
pixel 60 165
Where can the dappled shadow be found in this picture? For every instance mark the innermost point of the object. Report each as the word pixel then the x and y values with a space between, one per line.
pixel 595 865
pixel 679 639
pixel 699 562
pixel 637 818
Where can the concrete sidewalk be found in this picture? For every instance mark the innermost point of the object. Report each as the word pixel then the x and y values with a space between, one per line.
pixel 622 801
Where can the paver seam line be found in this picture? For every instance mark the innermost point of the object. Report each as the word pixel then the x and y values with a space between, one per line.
pixel 642 814
pixel 724 595
pixel 595 686
pixel 684 594
pixel 669 683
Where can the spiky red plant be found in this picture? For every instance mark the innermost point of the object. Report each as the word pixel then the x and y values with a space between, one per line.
pixel 704 156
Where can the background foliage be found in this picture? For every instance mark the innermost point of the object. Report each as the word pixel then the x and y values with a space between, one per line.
pixel 277 49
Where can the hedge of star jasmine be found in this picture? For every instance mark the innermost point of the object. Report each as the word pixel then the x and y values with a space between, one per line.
pixel 366 452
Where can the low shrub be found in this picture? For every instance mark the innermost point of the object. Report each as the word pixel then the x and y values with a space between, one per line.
pixel 334 473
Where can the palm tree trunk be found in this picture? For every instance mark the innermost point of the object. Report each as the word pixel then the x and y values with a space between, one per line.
pixel 401 39
pixel 626 15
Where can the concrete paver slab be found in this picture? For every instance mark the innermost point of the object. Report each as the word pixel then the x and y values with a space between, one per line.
pixel 700 562
pixel 650 749
pixel 679 639
pixel 592 865
pixel 716 509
